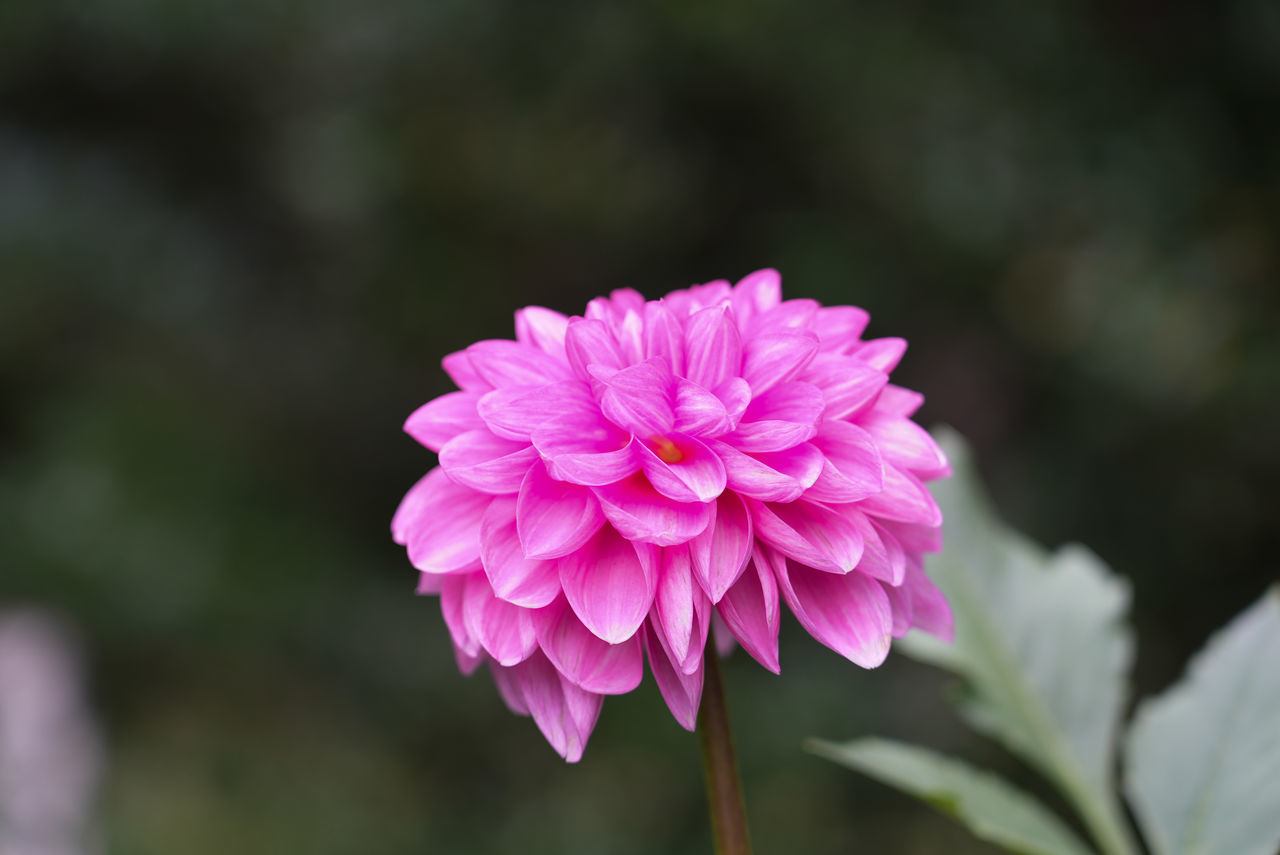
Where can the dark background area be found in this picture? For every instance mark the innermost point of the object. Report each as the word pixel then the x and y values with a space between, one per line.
pixel 236 238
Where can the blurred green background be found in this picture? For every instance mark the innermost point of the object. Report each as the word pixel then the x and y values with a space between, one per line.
pixel 236 238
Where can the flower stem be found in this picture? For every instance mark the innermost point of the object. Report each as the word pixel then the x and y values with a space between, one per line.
pixel 724 789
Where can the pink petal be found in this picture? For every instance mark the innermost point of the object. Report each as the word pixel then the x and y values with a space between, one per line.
pixel 854 468
pixel 585 449
pixel 788 315
pixel 591 342
pixel 504 630
pixel 898 401
pixel 681 612
pixel 508 688
pixel 440 420
pixel 468 663
pixel 882 555
pixel 750 608
pixel 712 346
pixel 850 613
pixel 903 499
pixel 439 522
pixel 630 333
pixel 508 363
pixel 588 662
pixel 554 518
pixel 663 336
pixel 905 444
pixel 781 418
pixel 919 604
pixel 913 536
pixel 452 604
pixel 882 353
pixel 641 513
pixel 638 399
pixel 517 411
pixel 543 329
pixel 608 586
pixel 527 582
pixel 698 476
pixel 735 393
pixel 848 385
pixel 429 583
pixel 484 462
pixel 720 553
pixel 809 533
pixel 840 326
pixel 564 713
pixel 699 412
pixel 459 368
pixel 755 475
pixel 772 358
pixel 682 692
pixel 757 293
pixel 720 634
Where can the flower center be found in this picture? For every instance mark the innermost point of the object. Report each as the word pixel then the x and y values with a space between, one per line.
pixel 666 449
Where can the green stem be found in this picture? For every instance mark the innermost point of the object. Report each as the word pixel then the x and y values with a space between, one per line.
pixel 724 789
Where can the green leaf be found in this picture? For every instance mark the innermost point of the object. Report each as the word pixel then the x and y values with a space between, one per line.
pixel 1040 642
pixel 993 809
pixel 1203 759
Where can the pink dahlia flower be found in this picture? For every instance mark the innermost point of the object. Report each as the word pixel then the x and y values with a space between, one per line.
pixel 611 485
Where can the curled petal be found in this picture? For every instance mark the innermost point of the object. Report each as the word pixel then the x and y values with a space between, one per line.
pixel 543 329
pixel 713 346
pixel 504 630
pixel 440 420
pixel 439 522
pixel 554 518
pixel 850 613
pixel 917 603
pixel 524 581
pixel 699 412
pixel 810 533
pixel 582 657
pixel 681 612
pixel 663 336
pixel 638 399
pixel 750 608
pixel 898 401
pixel 590 342
pixel 771 476
pixel 698 474
pixel 682 691
pixel 848 385
pixel 608 586
pixel 452 602
pixel 882 353
pixel 720 553
pixel 484 462
pixel 854 469
pixel 903 499
pixel 564 713
pixel 461 371
pixel 517 411
pixel 641 513
pixel 586 449
pixel 773 358
pixel 509 363
pixel 906 444
pixel 757 293
pixel 839 327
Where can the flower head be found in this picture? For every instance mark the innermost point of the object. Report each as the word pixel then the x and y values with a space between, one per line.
pixel 612 485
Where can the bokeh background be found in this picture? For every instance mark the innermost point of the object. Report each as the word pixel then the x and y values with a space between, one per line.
pixel 237 237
